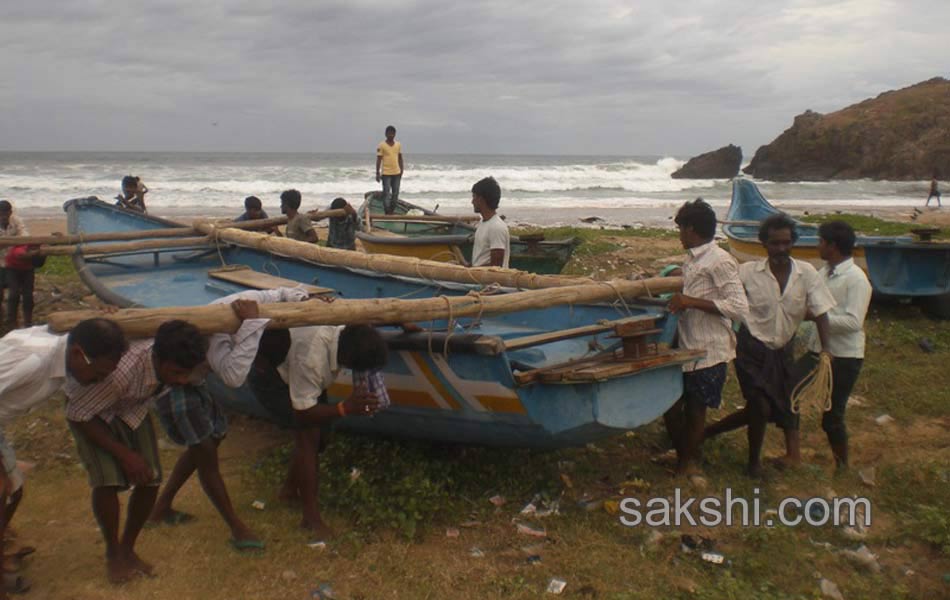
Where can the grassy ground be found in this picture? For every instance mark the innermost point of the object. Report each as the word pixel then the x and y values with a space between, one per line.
pixel 394 502
pixel 873 225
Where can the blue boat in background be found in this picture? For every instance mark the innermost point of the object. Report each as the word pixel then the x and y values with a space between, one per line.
pixel 897 266
pixel 552 377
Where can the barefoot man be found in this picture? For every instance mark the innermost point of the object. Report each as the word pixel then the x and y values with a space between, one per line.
pixel 35 364
pixel 192 417
pixel 781 291
pixel 116 441
pixel 291 376
pixel 712 298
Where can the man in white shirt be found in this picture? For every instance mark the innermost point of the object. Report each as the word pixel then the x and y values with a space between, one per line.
pixel 35 364
pixel 712 298
pixel 290 378
pixel 193 418
pixel 492 244
pixel 852 292
pixel 781 291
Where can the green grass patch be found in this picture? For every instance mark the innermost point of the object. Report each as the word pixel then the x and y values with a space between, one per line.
pixel 58 266
pixel 592 240
pixel 404 486
pixel 870 225
pixel 917 495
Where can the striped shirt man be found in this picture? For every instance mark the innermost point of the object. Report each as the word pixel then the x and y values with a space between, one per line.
pixel 126 394
pixel 711 273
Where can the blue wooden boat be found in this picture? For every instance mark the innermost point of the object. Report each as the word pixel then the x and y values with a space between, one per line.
pixel 897 266
pixel 540 378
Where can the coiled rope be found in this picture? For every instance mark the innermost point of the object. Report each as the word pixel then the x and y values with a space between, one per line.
pixel 814 390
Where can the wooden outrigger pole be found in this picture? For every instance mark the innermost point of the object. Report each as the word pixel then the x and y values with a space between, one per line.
pixel 150 234
pixel 143 322
pixel 384 263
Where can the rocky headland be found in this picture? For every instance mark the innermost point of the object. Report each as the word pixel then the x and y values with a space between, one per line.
pixel 899 135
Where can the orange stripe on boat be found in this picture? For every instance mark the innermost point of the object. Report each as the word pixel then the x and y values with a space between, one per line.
pixel 396 396
pixel 502 404
pixel 434 381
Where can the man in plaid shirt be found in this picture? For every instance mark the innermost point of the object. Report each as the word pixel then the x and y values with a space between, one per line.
pixel 116 440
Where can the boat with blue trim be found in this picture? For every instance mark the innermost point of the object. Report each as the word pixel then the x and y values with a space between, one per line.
pixel 553 377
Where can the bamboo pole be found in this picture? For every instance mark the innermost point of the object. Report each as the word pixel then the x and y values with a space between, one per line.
pixel 145 234
pixel 435 218
pixel 315 215
pixel 384 263
pixel 220 318
pixel 90 249
pixel 97 237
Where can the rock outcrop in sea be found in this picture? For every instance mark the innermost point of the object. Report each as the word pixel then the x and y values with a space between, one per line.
pixel 899 135
pixel 723 163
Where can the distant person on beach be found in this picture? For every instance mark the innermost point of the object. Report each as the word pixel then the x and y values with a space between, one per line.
pixel 10 226
pixel 133 194
pixel 35 364
pixel 934 191
pixel 781 292
pixel 290 378
pixel 712 298
pixel 116 441
pixel 299 226
pixel 343 229
pixel 21 264
pixel 492 244
pixel 389 157
pixel 852 293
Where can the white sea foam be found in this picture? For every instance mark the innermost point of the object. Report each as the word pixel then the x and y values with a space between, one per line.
pixel 545 188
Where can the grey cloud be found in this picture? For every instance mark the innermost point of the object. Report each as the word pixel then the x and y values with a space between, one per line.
pixel 600 76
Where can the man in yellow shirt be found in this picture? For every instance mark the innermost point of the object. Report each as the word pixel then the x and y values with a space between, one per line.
pixel 389 156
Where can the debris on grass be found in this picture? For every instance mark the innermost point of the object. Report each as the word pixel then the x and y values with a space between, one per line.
pixel 867 476
pixel 258 504
pixel 884 420
pixel 556 586
pixel 830 590
pixel 524 529
pixel 498 501
pixel 863 558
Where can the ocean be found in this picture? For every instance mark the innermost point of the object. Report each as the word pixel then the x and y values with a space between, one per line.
pixel 542 190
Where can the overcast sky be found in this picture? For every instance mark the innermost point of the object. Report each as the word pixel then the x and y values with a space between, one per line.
pixel 523 76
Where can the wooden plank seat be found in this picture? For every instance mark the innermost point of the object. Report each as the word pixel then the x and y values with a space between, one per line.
pixel 248 277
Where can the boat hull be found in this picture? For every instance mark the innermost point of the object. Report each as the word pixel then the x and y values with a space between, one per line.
pixel 897 266
pixel 444 387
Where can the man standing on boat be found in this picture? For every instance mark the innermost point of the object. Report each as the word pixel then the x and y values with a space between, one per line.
pixel 389 157
pixel 852 292
pixel 299 226
pixel 712 298
pixel 781 292
pixel 492 245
